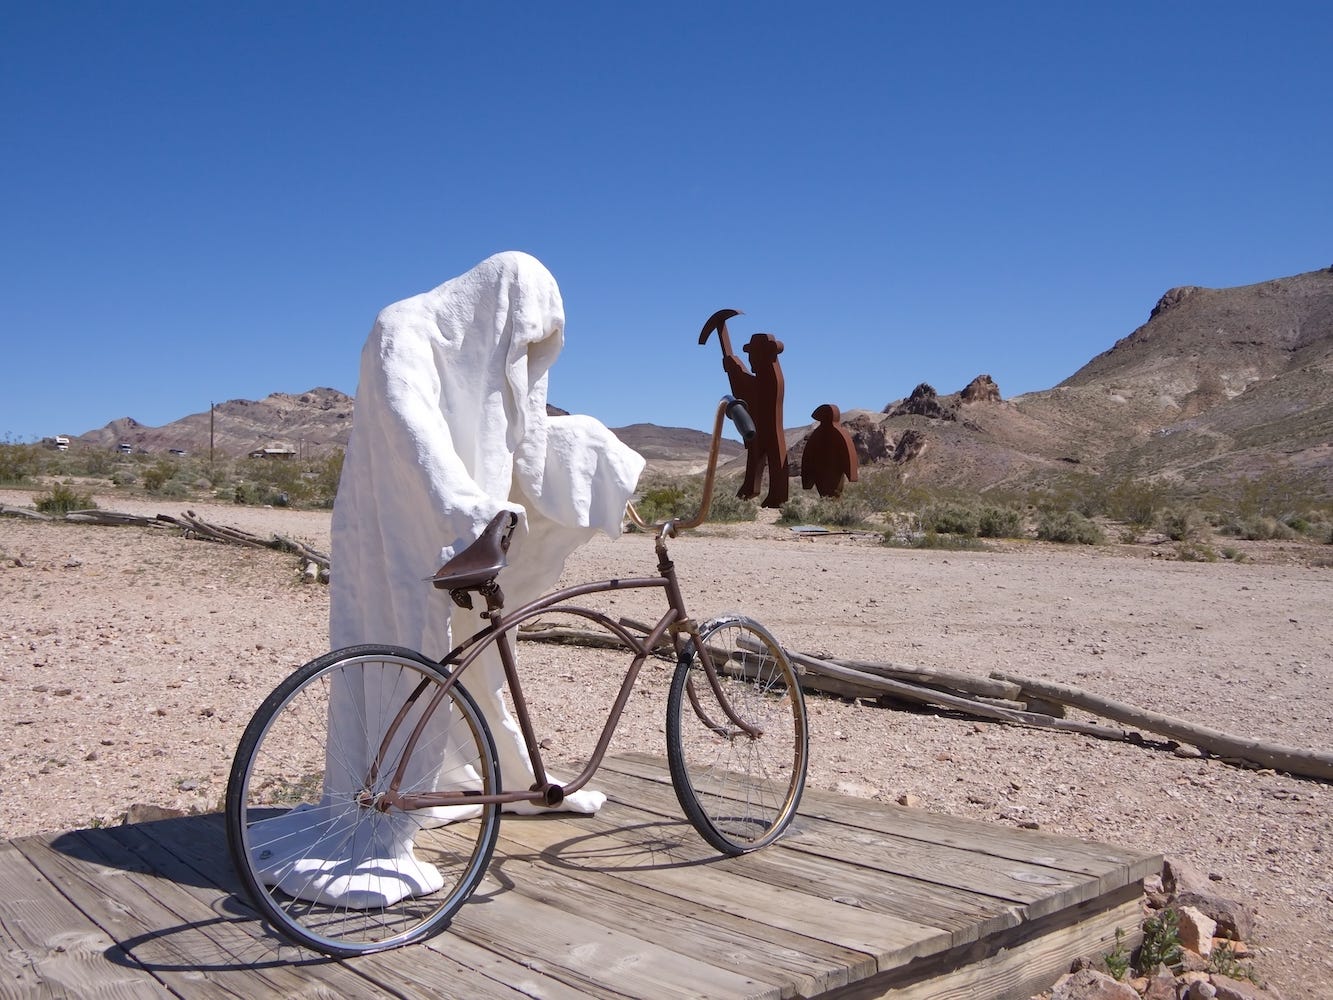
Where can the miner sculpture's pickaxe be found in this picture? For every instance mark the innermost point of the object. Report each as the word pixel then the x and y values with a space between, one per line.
pixel 718 322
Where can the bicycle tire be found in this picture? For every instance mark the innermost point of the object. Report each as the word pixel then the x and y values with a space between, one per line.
pixel 318 856
pixel 738 791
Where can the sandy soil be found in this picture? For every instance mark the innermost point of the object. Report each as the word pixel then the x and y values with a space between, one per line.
pixel 130 660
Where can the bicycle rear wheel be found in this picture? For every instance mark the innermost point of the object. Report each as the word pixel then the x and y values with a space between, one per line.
pixel 321 854
pixel 739 790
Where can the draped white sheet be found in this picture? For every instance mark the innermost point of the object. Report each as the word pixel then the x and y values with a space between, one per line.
pixel 450 426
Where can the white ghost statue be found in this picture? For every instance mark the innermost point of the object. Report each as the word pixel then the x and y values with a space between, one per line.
pixel 450 427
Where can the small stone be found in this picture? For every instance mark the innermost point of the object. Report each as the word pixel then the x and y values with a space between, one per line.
pixel 1196 931
pixel 909 800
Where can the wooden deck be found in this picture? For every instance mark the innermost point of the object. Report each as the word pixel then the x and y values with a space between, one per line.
pixel 859 900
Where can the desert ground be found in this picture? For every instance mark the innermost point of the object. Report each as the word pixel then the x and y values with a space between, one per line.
pixel 131 659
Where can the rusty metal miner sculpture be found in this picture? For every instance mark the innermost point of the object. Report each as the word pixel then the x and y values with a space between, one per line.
pixel 762 391
pixel 830 456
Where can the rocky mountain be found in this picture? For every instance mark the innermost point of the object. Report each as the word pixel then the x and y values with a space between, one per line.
pixel 1217 385
pixel 314 423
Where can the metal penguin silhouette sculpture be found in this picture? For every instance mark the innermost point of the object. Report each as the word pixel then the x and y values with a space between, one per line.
pixel 829 455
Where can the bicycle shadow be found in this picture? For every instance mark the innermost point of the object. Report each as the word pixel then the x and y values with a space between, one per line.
pixel 649 845
pixel 166 896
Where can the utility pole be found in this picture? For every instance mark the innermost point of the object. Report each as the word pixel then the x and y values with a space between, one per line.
pixel 211 407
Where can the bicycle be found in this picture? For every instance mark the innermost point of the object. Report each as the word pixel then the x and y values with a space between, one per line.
pixel 411 767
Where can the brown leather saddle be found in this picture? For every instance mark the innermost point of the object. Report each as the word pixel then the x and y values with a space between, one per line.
pixel 476 567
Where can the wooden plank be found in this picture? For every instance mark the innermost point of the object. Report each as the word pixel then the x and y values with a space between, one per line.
pixel 1034 846
pixel 203 848
pixel 1013 965
pixel 1039 888
pixel 964 915
pixel 151 933
pixel 795 963
pixel 601 960
pixel 166 847
pixel 889 939
pixel 48 948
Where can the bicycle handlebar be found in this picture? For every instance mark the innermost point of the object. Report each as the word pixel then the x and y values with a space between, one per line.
pixel 728 406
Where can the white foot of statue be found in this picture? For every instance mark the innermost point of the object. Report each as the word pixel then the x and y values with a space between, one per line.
pixel 332 855
pixel 585 800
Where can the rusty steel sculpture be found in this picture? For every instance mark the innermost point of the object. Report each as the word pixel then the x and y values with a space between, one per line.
pixel 829 459
pixel 762 391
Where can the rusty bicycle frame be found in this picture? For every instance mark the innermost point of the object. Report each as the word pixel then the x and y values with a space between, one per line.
pixel 497 632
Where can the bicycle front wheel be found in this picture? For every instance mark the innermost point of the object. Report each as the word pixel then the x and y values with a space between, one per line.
pixel 324 856
pixel 739 788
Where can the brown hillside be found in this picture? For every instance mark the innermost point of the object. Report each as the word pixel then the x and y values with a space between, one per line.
pixel 1218 385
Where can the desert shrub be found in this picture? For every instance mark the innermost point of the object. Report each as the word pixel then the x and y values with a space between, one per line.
pixel 18 462
pixel 157 474
pixel 247 493
pixel 1135 501
pixel 1182 524
pixel 1194 551
pixel 999 522
pixel 662 501
pixel 1068 526
pixel 950 519
pixel 846 511
pixel 794 511
pixel 327 472
pixel 931 540
pixel 1256 528
pixel 727 506
pixel 62 499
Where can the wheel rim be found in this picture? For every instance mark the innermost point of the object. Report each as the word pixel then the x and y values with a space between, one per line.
pixel 325 859
pixel 744 788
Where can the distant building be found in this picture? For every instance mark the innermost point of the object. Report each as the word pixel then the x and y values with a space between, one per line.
pixel 62 443
pixel 276 451
pixel 125 448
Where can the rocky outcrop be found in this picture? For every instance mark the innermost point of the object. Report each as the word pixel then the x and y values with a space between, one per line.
pixel 872 444
pixel 910 444
pixel 1173 298
pixel 981 389
pixel 924 402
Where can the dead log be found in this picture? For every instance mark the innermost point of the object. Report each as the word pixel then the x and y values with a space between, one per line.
pixel 929 696
pixel 933 677
pixel 35 515
pixel 1307 763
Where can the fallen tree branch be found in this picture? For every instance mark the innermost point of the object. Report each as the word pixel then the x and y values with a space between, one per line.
pixel 929 696
pixel 1309 764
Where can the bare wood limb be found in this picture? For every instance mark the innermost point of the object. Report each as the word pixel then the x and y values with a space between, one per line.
pixel 35 515
pixel 933 676
pixel 914 692
pixel 1306 763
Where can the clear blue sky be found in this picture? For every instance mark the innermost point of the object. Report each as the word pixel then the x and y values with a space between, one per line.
pixel 208 201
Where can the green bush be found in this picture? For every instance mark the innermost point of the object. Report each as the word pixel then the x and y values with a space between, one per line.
pixel 728 507
pixel 62 499
pixel 1068 526
pixel 950 519
pixel 155 476
pixel 999 522
pixel 18 462
pixel 932 540
pixel 1183 524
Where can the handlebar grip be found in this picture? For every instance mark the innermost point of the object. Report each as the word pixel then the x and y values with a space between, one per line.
pixel 740 416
